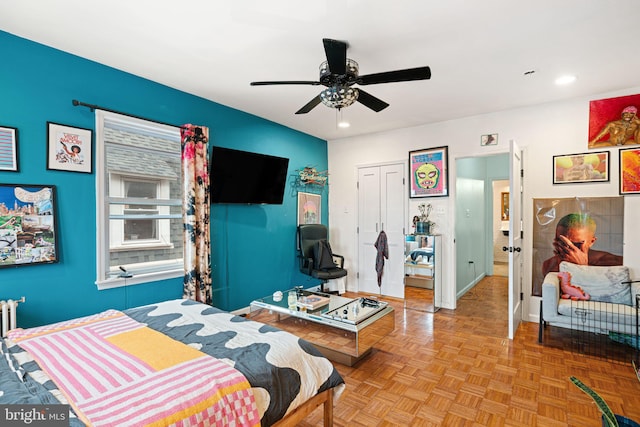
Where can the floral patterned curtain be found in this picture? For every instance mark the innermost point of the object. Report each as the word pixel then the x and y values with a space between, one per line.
pixel 195 213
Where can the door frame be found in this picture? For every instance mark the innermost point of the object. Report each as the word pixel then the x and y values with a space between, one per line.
pixel 521 304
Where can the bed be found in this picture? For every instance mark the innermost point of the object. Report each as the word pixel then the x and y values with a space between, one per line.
pixel 177 362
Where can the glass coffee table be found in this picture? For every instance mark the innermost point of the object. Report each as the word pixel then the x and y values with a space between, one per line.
pixel 343 329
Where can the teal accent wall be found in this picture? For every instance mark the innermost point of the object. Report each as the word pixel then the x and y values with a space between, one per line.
pixel 253 247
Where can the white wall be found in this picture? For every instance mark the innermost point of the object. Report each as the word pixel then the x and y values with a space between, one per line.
pixel 541 131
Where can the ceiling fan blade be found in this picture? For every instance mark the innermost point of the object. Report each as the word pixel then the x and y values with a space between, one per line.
pixel 368 100
pixel 309 106
pixel 336 52
pixel 293 82
pixel 420 73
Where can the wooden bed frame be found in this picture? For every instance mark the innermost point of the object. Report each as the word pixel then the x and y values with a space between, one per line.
pixel 325 398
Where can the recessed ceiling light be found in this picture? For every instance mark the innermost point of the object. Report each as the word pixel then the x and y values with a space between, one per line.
pixel 342 124
pixel 565 80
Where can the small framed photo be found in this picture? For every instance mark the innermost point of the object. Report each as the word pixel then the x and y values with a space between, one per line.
pixel 490 139
pixel 309 208
pixel 583 167
pixel 630 171
pixel 69 148
pixel 8 149
pixel 428 172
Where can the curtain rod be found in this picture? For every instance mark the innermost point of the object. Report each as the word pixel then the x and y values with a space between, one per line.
pixel 94 107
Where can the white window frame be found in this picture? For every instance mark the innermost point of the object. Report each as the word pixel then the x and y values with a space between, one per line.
pixel 116 231
pixel 107 276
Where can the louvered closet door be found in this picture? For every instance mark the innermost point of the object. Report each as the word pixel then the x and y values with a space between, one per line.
pixel 381 205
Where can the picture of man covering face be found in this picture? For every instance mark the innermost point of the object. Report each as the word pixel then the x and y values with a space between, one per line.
pixel 575 234
pixel 579 230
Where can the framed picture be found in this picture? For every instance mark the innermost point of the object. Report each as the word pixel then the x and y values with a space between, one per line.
pixel 583 167
pixel 27 225
pixel 8 149
pixel 490 139
pixel 630 171
pixel 428 172
pixel 614 121
pixel 69 148
pixel 309 208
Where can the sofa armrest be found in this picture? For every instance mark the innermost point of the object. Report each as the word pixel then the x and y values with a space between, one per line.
pixel 550 296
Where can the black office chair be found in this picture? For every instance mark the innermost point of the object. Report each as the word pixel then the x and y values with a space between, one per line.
pixel 316 258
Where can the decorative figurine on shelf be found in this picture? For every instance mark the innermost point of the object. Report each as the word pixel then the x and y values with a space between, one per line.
pixel 424 224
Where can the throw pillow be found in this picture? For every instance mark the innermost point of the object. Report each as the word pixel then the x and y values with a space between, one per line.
pixel 323 256
pixel 602 283
pixel 569 290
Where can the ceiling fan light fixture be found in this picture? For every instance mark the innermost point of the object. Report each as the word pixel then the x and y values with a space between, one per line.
pixel 352 70
pixel 338 73
pixel 340 121
pixel 339 96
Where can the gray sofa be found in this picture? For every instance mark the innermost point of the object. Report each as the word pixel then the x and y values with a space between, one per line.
pixel 592 316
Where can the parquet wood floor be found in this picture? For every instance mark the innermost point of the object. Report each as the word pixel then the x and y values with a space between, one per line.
pixel 457 368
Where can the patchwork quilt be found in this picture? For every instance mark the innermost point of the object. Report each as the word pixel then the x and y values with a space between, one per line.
pixel 115 371
pixel 282 371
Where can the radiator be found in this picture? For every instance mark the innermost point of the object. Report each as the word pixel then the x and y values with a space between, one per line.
pixel 9 309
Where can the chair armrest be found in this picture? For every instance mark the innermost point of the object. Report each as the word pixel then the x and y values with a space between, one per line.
pixel 309 265
pixel 306 264
pixel 550 295
pixel 340 259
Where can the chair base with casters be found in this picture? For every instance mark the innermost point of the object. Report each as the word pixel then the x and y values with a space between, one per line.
pixel 316 258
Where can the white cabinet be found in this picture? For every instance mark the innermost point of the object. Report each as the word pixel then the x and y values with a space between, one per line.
pixel 423 270
pixel 381 206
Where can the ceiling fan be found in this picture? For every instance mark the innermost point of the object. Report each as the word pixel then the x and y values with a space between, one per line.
pixel 339 73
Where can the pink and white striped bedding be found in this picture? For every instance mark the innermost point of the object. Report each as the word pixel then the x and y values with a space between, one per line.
pixel 116 371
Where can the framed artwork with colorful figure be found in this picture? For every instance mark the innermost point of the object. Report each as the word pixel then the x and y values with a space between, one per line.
pixel 614 121
pixel 69 148
pixel 428 172
pixel 583 167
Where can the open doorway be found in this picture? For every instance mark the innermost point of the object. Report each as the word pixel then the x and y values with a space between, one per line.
pixel 500 227
pixel 479 234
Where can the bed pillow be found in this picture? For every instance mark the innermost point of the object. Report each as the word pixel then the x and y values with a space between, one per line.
pixel 602 283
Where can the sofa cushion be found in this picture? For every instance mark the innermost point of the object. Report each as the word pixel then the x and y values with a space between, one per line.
pixel 602 283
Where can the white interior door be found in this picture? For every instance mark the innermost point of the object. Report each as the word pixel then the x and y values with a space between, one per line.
pixel 392 210
pixel 381 206
pixel 515 238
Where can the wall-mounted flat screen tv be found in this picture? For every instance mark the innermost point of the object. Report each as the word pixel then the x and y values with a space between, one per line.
pixel 242 177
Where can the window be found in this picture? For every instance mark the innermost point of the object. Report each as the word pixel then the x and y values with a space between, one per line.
pixel 141 228
pixel 138 200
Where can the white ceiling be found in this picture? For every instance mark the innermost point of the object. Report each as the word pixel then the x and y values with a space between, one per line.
pixel 478 51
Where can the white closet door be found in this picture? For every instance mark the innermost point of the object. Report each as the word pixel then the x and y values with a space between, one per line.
pixel 392 199
pixel 368 227
pixel 381 204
